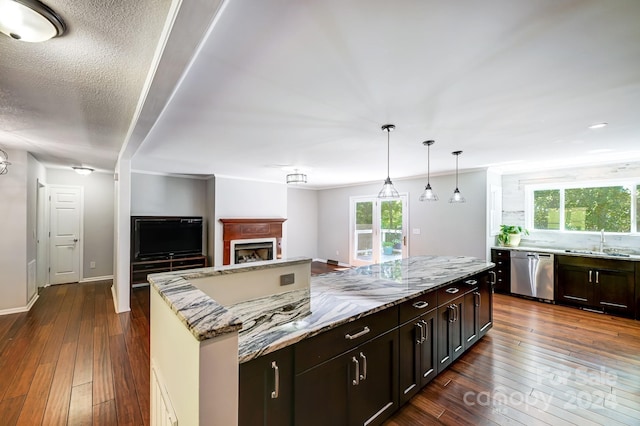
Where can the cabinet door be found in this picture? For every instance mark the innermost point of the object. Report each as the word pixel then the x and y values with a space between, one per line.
pixel 471 327
pixel 502 260
pixel 450 333
pixel 615 290
pixel 457 328
pixel 266 385
pixel 485 300
pixel 410 342
pixel 376 395
pixel 573 285
pixel 322 392
pixel 429 347
pixel 418 354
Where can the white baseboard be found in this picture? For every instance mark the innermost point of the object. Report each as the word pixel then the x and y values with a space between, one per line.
pixel 93 279
pixel 20 309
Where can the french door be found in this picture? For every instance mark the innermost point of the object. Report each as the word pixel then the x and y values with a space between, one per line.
pixel 378 230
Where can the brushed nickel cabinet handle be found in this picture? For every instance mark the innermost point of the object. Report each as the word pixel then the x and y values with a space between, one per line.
pixel 356 381
pixel 420 304
pixel 364 367
pixel 276 377
pixel 358 334
pixel 452 290
pixel 421 333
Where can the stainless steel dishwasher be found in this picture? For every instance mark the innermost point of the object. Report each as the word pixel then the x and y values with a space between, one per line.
pixel 532 274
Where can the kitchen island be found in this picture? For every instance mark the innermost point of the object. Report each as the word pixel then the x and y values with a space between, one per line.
pixel 340 312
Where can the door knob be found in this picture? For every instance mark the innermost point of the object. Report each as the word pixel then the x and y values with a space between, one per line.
pixel 75 240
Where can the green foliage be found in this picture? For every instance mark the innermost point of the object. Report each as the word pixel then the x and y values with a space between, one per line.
pixel 391 214
pixel 387 244
pixel 546 209
pixel 507 230
pixel 593 209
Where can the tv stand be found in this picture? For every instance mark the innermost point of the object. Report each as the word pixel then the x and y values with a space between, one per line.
pixel 140 269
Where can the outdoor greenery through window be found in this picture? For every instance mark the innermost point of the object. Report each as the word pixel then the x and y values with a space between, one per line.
pixel 587 209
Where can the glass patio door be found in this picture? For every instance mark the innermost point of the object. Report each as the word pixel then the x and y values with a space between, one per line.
pixel 378 230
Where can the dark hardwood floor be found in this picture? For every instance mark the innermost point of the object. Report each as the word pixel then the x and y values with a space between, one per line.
pixel 72 360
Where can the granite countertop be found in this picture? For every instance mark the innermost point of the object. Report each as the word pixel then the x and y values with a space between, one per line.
pixel 573 252
pixel 269 323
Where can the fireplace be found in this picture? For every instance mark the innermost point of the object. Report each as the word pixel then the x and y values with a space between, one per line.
pixel 252 250
pixel 251 231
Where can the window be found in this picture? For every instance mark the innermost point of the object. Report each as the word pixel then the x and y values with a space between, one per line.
pixel 613 207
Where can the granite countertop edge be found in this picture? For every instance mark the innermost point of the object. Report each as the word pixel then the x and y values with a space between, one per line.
pixel 576 253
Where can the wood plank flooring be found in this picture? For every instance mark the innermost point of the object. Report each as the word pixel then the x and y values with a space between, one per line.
pixel 72 360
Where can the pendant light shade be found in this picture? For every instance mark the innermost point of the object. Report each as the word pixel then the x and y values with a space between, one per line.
pixel 296 178
pixel 4 163
pixel 388 190
pixel 428 194
pixel 457 196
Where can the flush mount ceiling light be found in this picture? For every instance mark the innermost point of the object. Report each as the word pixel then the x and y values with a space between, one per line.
pixel 296 178
pixel 29 20
pixel 428 194
pixel 4 163
pixel 598 125
pixel 388 191
pixel 457 196
pixel 83 170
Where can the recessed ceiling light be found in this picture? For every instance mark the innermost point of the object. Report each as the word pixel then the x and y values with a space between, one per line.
pixel 29 20
pixel 598 125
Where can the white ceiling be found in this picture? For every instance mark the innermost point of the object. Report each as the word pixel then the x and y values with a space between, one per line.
pixel 307 84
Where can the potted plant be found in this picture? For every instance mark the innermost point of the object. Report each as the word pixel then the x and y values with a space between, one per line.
pixel 387 247
pixel 397 244
pixel 510 235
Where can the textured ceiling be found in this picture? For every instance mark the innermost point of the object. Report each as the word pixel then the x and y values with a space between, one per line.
pixel 307 84
pixel 71 100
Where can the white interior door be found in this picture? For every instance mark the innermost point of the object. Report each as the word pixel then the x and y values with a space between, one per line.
pixel 64 227
pixel 378 230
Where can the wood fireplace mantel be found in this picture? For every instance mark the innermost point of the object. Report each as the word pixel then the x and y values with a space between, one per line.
pixel 245 229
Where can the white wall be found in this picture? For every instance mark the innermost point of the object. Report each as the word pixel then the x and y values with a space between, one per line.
pixel 238 198
pixel 98 218
pixel 302 222
pixel 156 195
pixel 13 232
pixel 445 229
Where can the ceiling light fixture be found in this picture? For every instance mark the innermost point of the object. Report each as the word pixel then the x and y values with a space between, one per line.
pixel 388 191
pixel 296 178
pixel 29 20
pixel 457 196
pixel 83 170
pixel 428 194
pixel 4 163
pixel 598 125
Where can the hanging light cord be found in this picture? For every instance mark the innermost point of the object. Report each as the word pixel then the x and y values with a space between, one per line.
pixel 388 151
pixel 457 155
pixel 428 163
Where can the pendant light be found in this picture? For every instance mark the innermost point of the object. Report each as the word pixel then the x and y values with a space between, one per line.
pixel 4 162
pixel 457 196
pixel 388 191
pixel 428 194
pixel 296 178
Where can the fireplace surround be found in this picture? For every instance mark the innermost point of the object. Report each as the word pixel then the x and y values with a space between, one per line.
pixel 235 230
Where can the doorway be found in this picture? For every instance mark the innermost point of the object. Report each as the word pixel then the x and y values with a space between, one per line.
pixel 378 230
pixel 65 242
pixel 42 246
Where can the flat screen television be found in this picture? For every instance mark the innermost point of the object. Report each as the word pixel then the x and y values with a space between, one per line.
pixel 163 237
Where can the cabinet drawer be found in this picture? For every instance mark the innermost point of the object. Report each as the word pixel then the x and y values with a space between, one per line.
pixel 418 306
pixel 313 351
pixel 451 291
pixel 500 254
pixel 596 263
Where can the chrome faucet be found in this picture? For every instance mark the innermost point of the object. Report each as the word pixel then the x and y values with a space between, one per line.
pixel 602 241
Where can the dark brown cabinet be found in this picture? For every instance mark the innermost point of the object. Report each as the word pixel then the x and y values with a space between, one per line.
pixel 266 390
pixel 357 387
pixel 601 284
pixel 502 259
pixel 450 332
pixel 140 270
pixel 418 353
